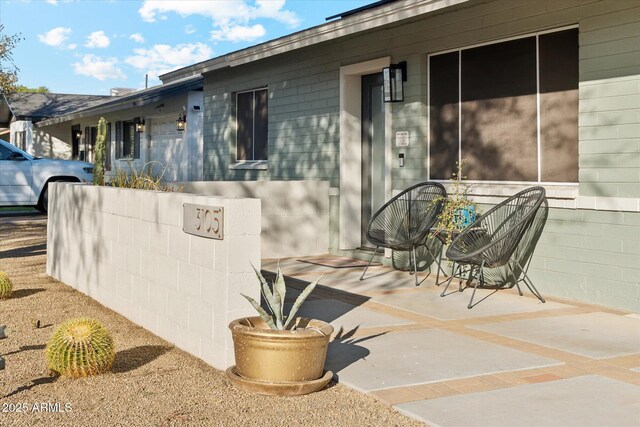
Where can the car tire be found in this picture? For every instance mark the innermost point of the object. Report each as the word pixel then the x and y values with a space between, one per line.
pixel 43 203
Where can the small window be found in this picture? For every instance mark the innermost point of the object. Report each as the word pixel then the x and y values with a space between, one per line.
pixel 127 140
pixel 252 125
pixel 21 140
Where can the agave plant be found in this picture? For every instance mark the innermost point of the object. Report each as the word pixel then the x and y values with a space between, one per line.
pixel 274 298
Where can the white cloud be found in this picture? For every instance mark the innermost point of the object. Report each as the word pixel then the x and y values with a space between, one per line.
pixel 162 58
pixel 221 12
pixel 53 2
pixel 99 68
pixel 190 29
pixel 55 37
pixel 239 33
pixel 72 46
pixel 97 39
pixel 137 37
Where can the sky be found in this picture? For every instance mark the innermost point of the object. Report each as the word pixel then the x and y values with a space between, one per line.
pixel 91 46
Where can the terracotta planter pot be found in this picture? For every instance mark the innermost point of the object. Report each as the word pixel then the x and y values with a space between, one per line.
pixel 268 355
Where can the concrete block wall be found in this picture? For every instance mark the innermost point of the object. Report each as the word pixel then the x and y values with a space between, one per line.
pixel 126 249
pixel 295 214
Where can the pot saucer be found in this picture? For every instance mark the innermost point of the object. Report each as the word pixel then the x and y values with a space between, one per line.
pixel 279 388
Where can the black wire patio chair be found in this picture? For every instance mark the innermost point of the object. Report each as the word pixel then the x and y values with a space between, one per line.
pixel 490 241
pixel 404 222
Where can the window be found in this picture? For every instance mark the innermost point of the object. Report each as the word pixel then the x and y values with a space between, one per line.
pixel 4 153
pixel 21 140
pixel 127 140
pixel 252 126
pixel 75 142
pixel 510 109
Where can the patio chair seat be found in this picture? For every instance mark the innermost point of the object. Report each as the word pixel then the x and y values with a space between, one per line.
pixel 405 221
pixel 492 239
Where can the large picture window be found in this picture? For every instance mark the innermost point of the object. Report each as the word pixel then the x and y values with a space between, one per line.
pixel 252 125
pixel 510 109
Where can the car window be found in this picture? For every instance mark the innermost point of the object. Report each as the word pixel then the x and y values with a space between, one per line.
pixel 4 153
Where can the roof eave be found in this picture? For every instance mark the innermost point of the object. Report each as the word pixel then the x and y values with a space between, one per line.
pixel 137 99
pixel 367 20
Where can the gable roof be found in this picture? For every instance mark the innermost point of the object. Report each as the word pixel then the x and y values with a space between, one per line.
pixel 39 106
pixel 369 17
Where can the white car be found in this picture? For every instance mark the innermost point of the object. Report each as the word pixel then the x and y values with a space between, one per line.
pixel 24 178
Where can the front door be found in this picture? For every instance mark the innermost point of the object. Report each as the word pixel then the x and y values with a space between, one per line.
pixel 373 150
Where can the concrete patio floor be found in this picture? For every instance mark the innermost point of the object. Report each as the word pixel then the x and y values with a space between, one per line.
pixel 510 360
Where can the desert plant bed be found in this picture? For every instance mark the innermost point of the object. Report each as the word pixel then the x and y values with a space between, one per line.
pixel 150 383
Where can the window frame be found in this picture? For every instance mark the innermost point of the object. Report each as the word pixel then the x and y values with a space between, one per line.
pixel 252 163
pixel 135 145
pixel 21 139
pixel 535 34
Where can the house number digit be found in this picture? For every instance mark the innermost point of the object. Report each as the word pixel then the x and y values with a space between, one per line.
pixel 199 219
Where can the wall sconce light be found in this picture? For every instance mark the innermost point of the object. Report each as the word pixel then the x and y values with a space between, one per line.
pixel 393 77
pixel 181 122
pixel 79 134
pixel 140 126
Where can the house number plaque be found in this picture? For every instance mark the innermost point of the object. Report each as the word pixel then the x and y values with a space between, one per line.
pixel 203 221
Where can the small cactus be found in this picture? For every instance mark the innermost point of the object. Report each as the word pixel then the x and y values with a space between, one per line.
pixel 274 300
pixel 79 348
pixel 6 287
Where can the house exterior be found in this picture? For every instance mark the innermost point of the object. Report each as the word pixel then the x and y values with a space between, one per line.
pixel 21 111
pixel 527 92
pixel 142 130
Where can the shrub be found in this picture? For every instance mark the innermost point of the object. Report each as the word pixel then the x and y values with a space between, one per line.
pixel 79 348
pixel 143 179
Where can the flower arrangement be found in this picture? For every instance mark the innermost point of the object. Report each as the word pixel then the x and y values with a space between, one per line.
pixel 458 211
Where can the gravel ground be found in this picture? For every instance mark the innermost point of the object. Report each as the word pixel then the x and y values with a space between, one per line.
pixel 151 382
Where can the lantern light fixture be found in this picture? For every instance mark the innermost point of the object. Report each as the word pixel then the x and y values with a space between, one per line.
pixel 140 126
pixel 393 77
pixel 181 123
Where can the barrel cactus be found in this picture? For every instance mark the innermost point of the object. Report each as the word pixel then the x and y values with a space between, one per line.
pixel 79 348
pixel 6 287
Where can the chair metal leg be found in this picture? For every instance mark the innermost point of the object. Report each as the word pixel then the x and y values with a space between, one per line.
pixel 527 281
pixel 370 261
pixel 440 269
pixel 415 264
pixel 515 279
pixel 415 268
pixel 453 275
pixel 476 285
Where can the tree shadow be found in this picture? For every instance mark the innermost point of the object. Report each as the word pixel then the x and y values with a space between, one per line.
pixel 25 251
pixel 133 358
pixel 34 383
pixel 22 293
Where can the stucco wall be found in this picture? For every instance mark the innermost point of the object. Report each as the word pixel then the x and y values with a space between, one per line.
pixel 51 144
pixel 304 120
pixel 127 250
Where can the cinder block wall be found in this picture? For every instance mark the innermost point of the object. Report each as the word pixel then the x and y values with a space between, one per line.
pixel 126 249
pixel 295 214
